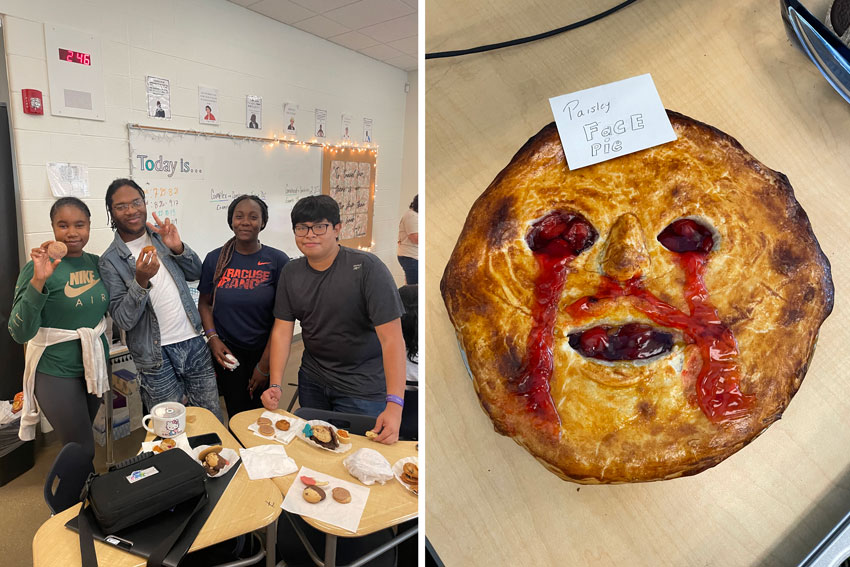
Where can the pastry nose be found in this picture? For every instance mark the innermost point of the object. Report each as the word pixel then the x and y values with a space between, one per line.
pixel 625 254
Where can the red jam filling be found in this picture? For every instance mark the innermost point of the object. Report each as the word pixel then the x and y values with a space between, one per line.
pixel 718 385
pixel 632 341
pixel 555 240
pixel 686 235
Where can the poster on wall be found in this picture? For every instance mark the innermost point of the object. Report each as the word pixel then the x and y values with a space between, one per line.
pixel 321 122
pixel 367 130
pixel 290 113
pixel 254 112
pixel 68 179
pixel 159 97
pixel 207 105
pixel 348 175
pixel 346 127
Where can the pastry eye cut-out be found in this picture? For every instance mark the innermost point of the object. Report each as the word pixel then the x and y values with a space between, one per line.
pixel 561 234
pixel 687 235
pixel 632 341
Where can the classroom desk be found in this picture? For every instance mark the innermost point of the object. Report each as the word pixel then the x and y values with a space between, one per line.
pixel 245 506
pixel 388 505
pixel 727 64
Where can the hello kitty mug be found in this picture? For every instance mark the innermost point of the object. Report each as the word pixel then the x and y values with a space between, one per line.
pixel 168 419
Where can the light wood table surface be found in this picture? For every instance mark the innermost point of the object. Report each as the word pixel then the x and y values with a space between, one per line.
pixel 729 64
pixel 245 506
pixel 388 505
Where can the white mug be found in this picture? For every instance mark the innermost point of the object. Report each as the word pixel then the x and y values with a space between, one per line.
pixel 169 419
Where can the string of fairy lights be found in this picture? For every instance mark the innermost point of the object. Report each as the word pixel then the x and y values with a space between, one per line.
pixel 288 141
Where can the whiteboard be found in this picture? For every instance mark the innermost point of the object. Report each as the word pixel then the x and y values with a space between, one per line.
pixel 192 178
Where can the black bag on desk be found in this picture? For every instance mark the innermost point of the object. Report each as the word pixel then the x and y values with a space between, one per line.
pixel 136 490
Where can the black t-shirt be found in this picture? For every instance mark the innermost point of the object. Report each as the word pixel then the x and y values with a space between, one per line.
pixel 339 309
pixel 245 296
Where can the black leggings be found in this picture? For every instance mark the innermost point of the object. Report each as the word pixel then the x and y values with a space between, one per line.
pixel 68 407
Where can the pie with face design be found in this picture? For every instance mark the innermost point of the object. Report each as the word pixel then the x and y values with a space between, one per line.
pixel 642 318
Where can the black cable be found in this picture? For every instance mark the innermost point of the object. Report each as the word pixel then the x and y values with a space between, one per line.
pixel 550 33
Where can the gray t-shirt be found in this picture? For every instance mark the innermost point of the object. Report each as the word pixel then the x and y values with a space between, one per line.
pixel 339 309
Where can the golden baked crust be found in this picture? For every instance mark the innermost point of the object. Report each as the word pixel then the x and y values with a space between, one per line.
pixel 628 421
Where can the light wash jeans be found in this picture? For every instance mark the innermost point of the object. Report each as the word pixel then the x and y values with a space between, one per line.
pixel 186 376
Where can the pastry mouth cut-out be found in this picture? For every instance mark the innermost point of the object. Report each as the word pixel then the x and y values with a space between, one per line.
pixel 619 343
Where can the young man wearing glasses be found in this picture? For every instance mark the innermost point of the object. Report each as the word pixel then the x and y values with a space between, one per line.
pixel 145 270
pixel 350 314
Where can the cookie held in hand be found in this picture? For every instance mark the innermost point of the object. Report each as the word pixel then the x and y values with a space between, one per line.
pixel 57 250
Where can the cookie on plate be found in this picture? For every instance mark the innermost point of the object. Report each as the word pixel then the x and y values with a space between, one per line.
pixel 313 494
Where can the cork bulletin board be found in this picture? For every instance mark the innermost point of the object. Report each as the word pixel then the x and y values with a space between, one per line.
pixel 348 175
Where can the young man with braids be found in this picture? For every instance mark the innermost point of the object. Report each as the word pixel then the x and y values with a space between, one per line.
pixel 349 309
pixel 238 284
pixel 145 270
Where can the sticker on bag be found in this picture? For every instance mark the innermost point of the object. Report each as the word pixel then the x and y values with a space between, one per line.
pixel 136 476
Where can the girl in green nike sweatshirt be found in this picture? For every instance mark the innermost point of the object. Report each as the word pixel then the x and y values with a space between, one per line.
pixel 59 310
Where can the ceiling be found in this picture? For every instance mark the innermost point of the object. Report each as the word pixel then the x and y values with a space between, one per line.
pixel 385 30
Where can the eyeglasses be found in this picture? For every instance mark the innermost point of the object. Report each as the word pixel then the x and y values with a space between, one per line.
pixel 318 229
pixel 824 48
pixel 135 203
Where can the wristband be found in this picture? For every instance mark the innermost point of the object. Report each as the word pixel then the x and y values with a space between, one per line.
pixel 209 332
pixel 212 336
pixel 265 374
pixel 274 386
pixel 395 400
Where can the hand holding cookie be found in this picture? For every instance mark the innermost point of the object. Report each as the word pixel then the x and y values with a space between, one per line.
pixel 43 263
pixel 147 265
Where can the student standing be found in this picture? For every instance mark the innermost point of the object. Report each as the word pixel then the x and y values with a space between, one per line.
pixel 238 285
pixel 408 243
pixel 145 270
pixel 349 309
pixel 59 308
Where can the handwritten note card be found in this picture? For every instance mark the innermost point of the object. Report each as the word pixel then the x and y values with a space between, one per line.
pixel 610 121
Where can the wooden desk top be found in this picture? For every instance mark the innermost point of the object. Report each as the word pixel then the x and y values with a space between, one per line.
pixel 388 504
pixel 245 506
pixel 730 66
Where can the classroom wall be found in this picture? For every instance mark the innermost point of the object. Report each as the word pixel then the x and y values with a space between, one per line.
pixel 212 43
pixel 410 165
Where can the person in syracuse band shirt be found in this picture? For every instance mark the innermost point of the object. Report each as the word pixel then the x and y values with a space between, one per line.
pixel 237 291
pixel 350 314
pixel 59 309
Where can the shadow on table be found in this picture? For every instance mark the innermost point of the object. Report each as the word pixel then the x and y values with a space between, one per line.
pixel 291 550
pixel 812 526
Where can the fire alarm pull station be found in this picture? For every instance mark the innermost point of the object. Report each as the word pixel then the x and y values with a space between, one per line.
pixel 32 101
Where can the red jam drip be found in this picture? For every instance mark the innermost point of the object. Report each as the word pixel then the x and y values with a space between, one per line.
pixel 632 341
pixel 555 240
pixel 718 385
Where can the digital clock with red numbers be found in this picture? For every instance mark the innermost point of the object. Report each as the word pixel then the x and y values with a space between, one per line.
pixel 74 56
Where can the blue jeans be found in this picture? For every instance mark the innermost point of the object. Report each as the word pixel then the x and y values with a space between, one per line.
pixel 186 376
pixel 411 269
pixel 312 394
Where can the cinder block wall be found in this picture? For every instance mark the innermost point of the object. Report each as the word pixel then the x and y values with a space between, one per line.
pixel 197 42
